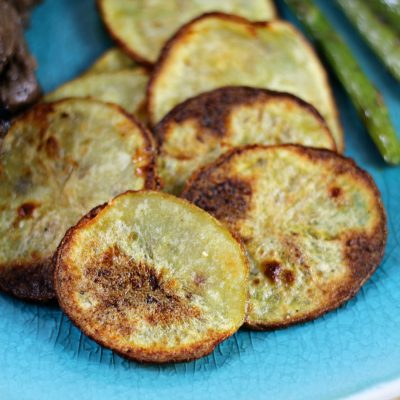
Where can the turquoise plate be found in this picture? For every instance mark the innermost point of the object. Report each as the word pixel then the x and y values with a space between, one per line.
pixel 43 356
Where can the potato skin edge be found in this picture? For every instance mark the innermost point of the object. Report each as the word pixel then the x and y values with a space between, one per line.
pixel 147 64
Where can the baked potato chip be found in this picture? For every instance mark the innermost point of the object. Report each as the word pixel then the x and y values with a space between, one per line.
pixel 312 221
pixel 56 163
pixel 126 88
pixel 218 50
pixel 202 128
pixel 111 61
pixel 141 27
pixel 152 277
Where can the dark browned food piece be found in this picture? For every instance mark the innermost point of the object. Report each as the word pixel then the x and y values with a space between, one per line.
pixel 18 85
pixel 24 7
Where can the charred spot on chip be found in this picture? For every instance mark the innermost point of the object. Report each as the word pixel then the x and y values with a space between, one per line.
pixel 151 299
pixel 272 270
pixel 288 277
pixel 210 109
pixel 335 192
pixel 155 279
pixel 26 210
pixel 363 251
pixel 119 281
pixel 42 114
pixel 210 120
pixel 52 147
pixel 225 199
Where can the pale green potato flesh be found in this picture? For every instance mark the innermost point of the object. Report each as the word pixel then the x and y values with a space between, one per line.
pixel 63 159
pixel 218 51
pixel 112 60
pixel 296 230
pixel 126 88
pixel 143 26
pixel 192 253
pixel 187 144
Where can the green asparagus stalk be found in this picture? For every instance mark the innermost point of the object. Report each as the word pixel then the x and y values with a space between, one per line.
pixel 383 39
pixel 389 10
pixel 367 100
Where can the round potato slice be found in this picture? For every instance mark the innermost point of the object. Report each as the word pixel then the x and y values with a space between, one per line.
pixel 217 50
pixel 202 128
pixel 152 277
pixel 141 27
pixel 112 60
pixel 57 162
pixel 126 88
pixel 312 221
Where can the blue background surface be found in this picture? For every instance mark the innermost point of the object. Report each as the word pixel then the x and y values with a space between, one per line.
pixel 43 356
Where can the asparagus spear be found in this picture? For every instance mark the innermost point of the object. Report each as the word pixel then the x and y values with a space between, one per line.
pixel 367 100
pixel 383 40
pixel 389 10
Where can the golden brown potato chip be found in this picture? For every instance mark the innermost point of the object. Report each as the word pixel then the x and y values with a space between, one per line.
pixel 56 163
pixel 141 27
pixel 152 277
pixel 312 221
pixel 202 128
pixel 126 88
pixel 218 50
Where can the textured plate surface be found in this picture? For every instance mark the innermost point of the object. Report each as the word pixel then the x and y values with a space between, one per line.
pixel 44 356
